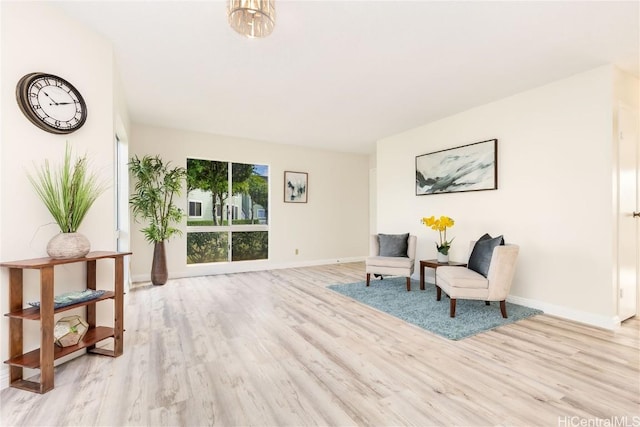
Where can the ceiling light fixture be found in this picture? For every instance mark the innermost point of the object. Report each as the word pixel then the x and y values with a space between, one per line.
pixel 252 18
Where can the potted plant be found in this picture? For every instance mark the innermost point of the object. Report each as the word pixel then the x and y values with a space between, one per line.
pixel 156 185
pixel 68 192
pixel 440 225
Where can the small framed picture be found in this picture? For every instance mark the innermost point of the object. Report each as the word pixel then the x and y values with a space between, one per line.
pixel 296 187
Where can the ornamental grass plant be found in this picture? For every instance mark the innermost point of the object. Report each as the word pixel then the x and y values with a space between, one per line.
pixel 68 190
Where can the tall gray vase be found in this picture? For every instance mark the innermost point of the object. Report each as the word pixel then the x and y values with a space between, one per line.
pixel 159 273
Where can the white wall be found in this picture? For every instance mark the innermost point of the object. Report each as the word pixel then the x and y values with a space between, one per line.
pixel 36 37
pixel 626 96
pixel 333 226
pixel 555 195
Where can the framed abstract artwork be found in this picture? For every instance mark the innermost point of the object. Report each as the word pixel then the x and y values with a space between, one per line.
pixel 472 167
pixel 296 187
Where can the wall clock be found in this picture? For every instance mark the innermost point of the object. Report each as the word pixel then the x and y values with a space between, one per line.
pixel 51 103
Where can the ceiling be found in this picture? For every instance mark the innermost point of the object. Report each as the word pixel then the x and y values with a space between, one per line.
pixel 340 75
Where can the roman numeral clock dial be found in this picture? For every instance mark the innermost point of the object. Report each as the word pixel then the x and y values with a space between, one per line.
pixel 51 103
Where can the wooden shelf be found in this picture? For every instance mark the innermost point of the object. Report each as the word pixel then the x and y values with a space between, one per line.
pixel 28 386
pixel 38 263
pixel 32 359
pixel 33 313
pixel 43 357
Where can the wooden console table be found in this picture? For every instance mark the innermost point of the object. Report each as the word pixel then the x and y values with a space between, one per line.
pixel 43 357
pixel 433 263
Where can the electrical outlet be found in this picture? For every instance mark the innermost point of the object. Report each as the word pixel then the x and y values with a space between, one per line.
pixel 297 251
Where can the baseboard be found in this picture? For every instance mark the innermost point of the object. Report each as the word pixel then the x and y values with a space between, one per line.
pixel 591 319
pixel 242 267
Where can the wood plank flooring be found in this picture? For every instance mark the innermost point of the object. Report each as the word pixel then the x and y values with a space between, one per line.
pixel 276 348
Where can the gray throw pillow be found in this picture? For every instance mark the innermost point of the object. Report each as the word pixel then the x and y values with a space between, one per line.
pixel 393 245
pixel 480 258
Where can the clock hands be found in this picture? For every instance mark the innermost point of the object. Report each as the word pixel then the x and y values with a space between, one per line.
pixel 53 102
pixel 47 95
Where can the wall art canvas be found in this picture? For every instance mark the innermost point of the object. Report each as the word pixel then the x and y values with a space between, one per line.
pixel 295 187
pixel 471 167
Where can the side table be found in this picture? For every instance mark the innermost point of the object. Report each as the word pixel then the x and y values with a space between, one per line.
pixel 433 263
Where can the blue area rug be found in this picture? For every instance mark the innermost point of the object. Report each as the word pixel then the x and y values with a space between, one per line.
pixel 421 308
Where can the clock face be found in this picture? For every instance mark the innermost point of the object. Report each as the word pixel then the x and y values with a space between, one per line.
pixel 51 103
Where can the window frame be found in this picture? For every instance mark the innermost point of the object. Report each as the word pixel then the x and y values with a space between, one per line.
pixel 228 213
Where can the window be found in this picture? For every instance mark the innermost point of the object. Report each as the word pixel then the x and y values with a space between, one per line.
pixel 233 220
pixel 195 209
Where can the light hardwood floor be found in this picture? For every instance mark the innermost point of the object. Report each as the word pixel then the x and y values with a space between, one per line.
pixel 276 348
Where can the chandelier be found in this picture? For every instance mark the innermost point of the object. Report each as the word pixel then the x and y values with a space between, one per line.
pixel 252 18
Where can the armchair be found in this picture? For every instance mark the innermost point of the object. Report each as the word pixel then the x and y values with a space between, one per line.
pixel 392 255
pixel 464 283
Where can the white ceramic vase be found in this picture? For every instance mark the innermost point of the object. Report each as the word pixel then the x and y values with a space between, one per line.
pixel 68 245
pixel 442 257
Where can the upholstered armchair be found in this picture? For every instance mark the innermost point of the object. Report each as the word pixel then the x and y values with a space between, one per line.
pixel 466 283
pixel 391 255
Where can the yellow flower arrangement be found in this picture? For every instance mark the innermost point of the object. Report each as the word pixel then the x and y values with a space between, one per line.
pixel 440 225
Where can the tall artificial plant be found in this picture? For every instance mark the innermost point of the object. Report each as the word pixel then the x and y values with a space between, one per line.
pixel 67 191
pixel 156 185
